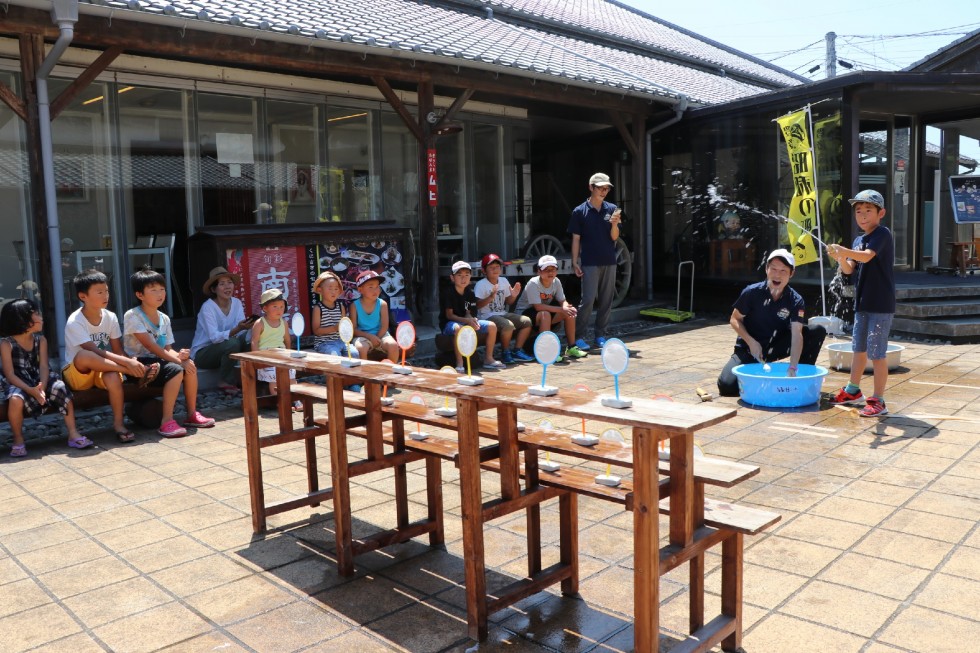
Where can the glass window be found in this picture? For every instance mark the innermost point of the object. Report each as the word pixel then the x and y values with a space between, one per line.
pixel 84 183
pixel 18 257
pixel 456 239
pixel 400 163
pixel 487 199
pixel 349 189
pixel 293 170
pixel 228 153
pixel 154 185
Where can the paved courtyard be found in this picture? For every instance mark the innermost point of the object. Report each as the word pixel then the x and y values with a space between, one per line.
pixel 149 546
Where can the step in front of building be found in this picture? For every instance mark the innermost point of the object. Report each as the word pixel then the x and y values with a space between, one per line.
pixel 936 311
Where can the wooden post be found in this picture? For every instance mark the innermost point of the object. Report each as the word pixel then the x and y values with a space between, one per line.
pixel 341 479
pixel 471 508
pixel 428 238
pixel 253 453
pixel 646 539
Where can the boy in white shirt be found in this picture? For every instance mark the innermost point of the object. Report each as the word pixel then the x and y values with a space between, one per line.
pixel 494 295
pixel 543 300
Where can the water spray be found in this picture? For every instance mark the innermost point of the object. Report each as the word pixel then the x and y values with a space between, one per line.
pixel 715 198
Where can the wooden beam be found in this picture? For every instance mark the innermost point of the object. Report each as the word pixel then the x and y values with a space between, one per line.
pixel 399 107
pixel 458 103
pixel 11 100
pixel 82 81
pixel 624 133
pixel 326 62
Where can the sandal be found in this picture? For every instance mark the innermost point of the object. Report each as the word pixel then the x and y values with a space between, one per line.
pixel 18 451
pixel 229 389
pixel 297 406
pixel 149 375
pixel 125 436
pixel 80 442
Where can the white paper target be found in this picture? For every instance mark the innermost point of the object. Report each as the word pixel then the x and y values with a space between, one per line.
pixel 405 335
pixel 448 369
pixel 417 399
pixel 299 324
pixel 613 435
pixel 547 347
pixel 615 356
pixel 466 341
pixel 345 329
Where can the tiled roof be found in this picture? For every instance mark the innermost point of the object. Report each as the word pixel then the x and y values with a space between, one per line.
pixel 586 42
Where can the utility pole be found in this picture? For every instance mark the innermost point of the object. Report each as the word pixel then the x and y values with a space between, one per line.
pixel 831 63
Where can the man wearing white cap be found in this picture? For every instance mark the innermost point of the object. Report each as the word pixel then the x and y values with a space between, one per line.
pixel 594 226
pixel 770 320
pixel 543 300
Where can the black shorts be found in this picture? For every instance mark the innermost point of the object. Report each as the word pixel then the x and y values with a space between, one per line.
pixel 168 370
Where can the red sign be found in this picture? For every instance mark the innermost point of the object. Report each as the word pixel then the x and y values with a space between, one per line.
pixel 262 268
pixel 431 174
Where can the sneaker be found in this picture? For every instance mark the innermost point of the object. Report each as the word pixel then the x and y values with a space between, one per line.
pixel 574 352
pixel 494 365
pixel 874 408
pixel 583 345
pixel 600 342
pixel 198 420
pixel 172 430
pixel 461 369
pixel 353 388
pixel 522 357
pixel 506 358
pixel 843 397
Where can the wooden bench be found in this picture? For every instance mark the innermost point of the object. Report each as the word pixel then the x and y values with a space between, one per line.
pixel 136 399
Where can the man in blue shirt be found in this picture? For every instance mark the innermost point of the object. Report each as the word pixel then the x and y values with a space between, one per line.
pixel 595 223
pixel 769 318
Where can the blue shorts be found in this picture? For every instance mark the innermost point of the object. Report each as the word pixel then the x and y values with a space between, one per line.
pixel 334 347
pixel 871 333
pixel 452 327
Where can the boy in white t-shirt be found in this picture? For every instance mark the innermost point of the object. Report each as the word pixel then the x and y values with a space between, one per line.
pixel 543 300
pixel 494 295
pixel 94 355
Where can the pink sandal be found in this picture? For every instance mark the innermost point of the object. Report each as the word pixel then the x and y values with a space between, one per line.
pixel 81 442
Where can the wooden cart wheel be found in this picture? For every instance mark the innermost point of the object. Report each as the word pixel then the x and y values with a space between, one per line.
pixel 542 245
pixel 624 271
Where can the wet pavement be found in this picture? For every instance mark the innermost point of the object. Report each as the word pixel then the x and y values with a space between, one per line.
pixel 149 546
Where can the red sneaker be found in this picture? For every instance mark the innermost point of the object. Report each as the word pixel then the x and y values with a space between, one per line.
pixel 843 397
pixel 197 420
pixel 874 408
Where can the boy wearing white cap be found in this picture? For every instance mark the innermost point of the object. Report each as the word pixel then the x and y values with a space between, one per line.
pixel 458 309
pixel 770 320
pixel 543 300
pixel 872 257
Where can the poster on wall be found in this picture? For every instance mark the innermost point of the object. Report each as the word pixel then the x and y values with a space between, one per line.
pixel 262 268
pixel 964 192
pixel 349 258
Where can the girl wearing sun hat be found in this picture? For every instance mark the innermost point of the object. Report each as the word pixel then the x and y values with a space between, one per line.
pixel 221 328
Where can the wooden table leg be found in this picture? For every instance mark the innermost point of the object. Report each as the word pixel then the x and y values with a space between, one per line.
pixel 646 536
pixel 568 539
pixel 472 510
pixel 681 489
pixel 341 479
pixel 312 475
pixel 731 588
pixel 250 410
pixel 401 475
pixel 696 569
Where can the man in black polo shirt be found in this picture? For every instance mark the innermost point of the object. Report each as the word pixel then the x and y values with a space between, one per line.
pixel 769 318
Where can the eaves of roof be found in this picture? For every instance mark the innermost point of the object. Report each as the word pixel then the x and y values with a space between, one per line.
pixel 936 59
pixel 444 33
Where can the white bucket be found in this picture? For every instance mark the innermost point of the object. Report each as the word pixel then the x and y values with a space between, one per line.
pixel 831 323
pixel 841 353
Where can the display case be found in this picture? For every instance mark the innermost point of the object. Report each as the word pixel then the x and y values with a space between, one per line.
pixel 291 256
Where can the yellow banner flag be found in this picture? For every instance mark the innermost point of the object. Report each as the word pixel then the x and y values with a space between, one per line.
pixel 803 207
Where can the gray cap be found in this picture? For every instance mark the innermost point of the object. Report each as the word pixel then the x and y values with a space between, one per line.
pixel 869 196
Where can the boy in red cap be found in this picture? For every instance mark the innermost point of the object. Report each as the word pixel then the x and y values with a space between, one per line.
pixel 494 296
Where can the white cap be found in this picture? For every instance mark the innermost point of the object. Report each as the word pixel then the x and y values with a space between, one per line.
pixel 783 254
pixel 461 265
pixel 547 261
pixel 600 179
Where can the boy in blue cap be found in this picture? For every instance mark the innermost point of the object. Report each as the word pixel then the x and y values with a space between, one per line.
pixel 872 256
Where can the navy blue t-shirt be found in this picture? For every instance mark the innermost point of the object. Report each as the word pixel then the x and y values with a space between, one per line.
pixel 596 246
pixel 463 305
pixel 874 291
pixel 765 317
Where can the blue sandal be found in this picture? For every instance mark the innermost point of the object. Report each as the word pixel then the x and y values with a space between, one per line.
pixel 80 443
pixel 18 451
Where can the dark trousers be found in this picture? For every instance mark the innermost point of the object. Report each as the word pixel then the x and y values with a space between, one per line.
pixel 774 350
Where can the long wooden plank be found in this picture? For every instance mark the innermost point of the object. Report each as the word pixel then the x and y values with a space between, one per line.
pixel 525 587
pixel 742 519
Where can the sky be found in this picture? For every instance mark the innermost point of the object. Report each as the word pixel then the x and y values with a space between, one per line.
pixel 871 34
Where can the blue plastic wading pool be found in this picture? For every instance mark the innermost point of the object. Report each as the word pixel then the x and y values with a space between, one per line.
pixel 776 390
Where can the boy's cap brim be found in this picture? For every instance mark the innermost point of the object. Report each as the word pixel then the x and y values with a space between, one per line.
pixel 271 295
pixel 869 197
pixel 461 265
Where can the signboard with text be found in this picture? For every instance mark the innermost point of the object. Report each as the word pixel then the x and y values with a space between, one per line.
pixel 964 192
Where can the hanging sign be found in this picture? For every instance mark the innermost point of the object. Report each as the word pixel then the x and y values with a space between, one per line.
pixel 431 176
pixel 803 206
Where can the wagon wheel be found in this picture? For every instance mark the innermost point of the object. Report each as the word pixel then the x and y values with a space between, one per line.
pixel 624 271
pixel 542 245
